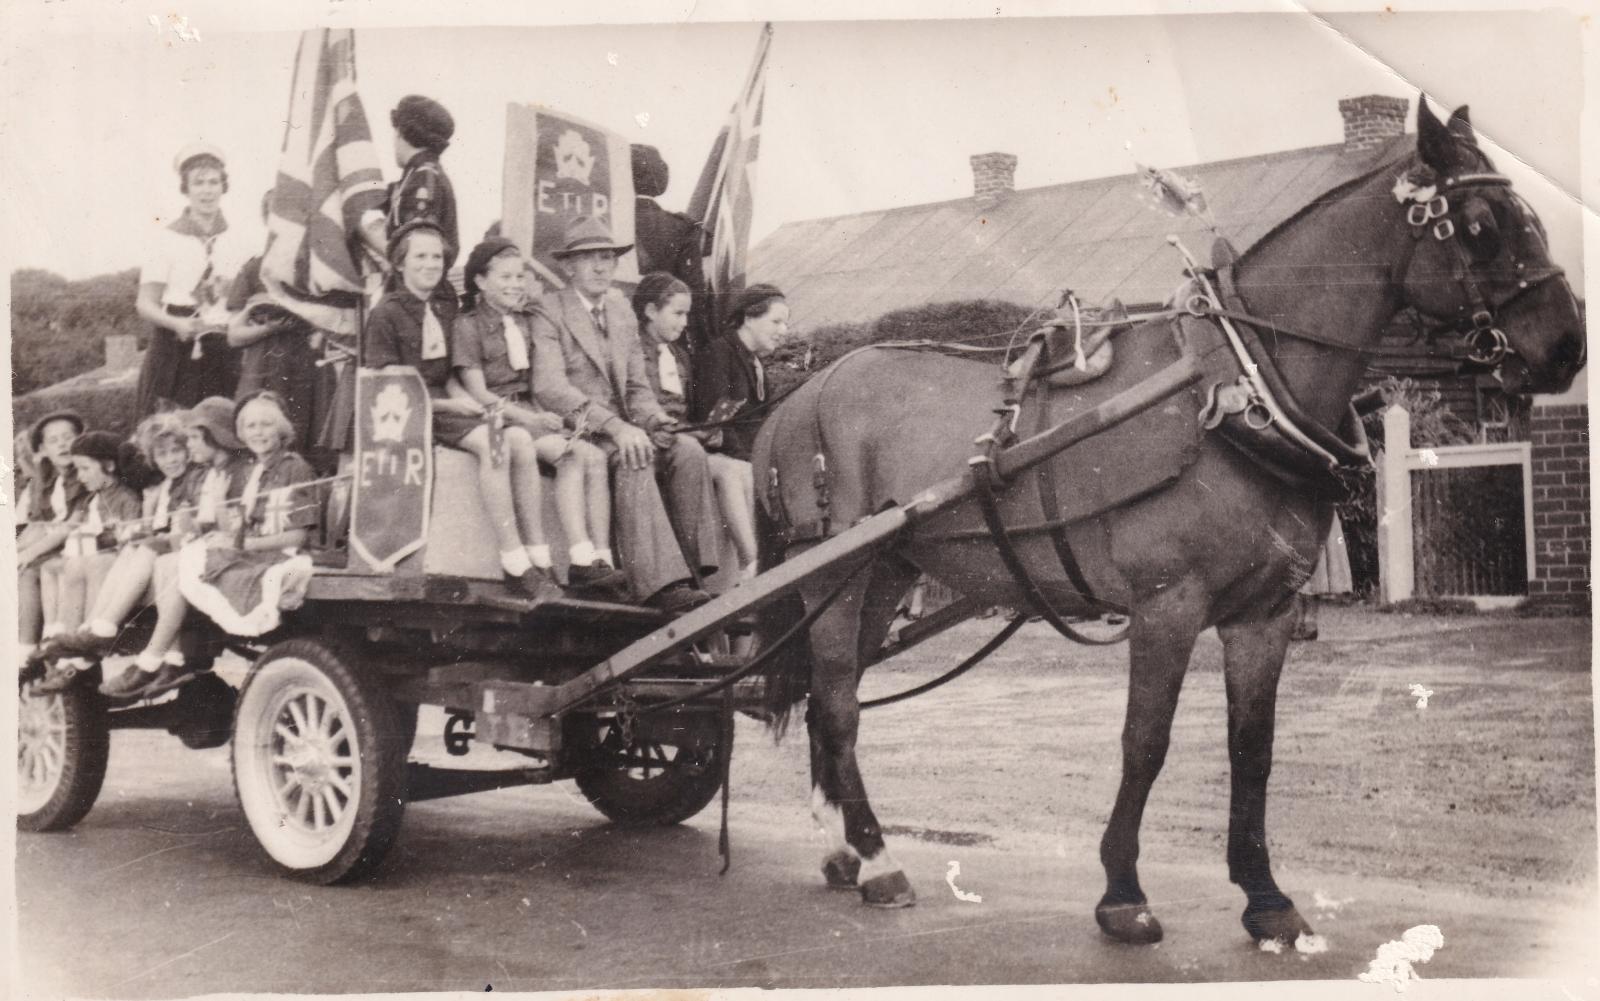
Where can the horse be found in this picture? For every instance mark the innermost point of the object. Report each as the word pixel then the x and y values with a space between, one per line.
pixel 1222 539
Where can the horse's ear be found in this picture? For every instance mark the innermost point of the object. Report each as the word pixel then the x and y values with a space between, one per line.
pixel 1461 126
pixel 1433 138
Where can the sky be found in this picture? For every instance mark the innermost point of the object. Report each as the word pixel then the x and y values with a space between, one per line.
pixel 860 115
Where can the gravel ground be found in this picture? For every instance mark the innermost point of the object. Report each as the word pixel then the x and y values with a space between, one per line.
pixel 1491 787
pixel 1476 813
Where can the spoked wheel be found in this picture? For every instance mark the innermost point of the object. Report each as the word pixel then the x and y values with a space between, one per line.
pixel 318 763
pixel 63 744
pixel 666 773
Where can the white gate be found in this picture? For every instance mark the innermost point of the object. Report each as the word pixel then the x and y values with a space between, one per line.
pixel 1453 521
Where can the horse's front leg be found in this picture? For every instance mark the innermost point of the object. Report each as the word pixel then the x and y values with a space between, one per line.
pixel 1253 655
pixel 842 640
pixel 1160 640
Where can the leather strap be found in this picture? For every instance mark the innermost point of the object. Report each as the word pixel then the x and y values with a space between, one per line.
pixel 984 478
pixel 1342 451
pixel 1048 502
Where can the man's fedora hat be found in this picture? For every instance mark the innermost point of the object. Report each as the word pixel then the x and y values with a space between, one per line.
pixel 589 234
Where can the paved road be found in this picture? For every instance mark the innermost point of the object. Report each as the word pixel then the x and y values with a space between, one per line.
pixel 161 892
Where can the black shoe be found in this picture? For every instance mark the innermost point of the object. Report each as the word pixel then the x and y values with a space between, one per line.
pixel 598 580
pixel 78 643
pixel 169 676
pixel 129 685
pixel 536 584
pixel 676 599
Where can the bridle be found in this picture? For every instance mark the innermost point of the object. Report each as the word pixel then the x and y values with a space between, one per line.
pixel 1429 212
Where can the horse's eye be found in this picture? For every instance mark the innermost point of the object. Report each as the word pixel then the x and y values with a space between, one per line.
pixel 1480 231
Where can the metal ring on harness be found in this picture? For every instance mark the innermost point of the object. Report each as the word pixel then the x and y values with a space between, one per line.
pixel 1487 346
pixel 1257 417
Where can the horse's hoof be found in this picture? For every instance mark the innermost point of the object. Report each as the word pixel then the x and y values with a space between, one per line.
pixel 1134 924
pixel 1281 924
pixel 840 870
pixel 892 889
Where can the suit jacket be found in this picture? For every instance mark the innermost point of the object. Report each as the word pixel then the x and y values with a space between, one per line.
pixel 574 364
pixel 726 370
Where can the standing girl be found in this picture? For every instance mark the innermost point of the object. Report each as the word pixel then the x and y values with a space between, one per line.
pixel 491 348
pixel 182 289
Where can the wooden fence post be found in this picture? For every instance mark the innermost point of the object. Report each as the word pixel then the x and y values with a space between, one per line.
pixel 1396 573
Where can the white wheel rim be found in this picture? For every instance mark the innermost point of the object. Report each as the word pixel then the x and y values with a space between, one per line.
pixel 41 748
pixel 299 772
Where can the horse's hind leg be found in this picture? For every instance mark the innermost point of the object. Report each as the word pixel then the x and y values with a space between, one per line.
pixel 1253 655
pixel 842 640
pixel 1160 640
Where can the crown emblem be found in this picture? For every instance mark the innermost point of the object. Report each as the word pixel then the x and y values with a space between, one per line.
pixel 390 411
pixel 574 157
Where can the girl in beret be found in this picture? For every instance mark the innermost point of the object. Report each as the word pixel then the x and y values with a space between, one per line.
pixel 113 474
pixel 491 349
pixel 422 131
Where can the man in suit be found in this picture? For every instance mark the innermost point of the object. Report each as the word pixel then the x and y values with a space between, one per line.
pixel 590 369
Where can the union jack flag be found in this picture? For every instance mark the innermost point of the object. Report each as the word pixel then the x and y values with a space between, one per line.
pixel 328 177
pixel 724 199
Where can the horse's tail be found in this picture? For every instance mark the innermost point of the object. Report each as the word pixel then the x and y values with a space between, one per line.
pixel 788 674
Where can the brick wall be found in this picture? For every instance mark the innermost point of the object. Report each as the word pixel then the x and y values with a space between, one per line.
pixel 1561 505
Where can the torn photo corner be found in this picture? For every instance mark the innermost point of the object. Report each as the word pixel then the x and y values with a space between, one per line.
pixel 438 774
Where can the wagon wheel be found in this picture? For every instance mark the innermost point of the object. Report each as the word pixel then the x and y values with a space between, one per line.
pixel 319 762
pixel 63 744
pixel 655 779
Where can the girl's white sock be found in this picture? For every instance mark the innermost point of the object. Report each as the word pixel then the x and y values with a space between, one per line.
pixel 51 631
pixel 515 562
pixel 604 556
pixel 103 628
pixel 582 553
pixel 148 662
pixel 539 555
pixel 173 657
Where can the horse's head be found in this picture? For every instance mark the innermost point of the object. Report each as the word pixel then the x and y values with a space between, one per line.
pixel 1481 261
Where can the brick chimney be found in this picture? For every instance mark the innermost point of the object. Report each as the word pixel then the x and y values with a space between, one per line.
pixel 993 177
pixel 1372 120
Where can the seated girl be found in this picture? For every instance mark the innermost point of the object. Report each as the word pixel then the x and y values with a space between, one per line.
pixel 409 327
pixel 114 475
pixel 55 500
pixel 162 440
pixel 246 570
pixel 730 384
pixel 491 349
